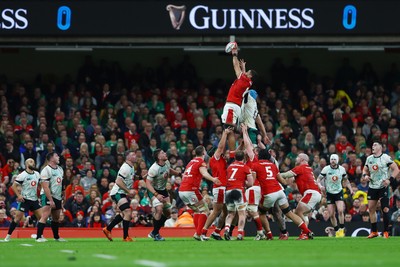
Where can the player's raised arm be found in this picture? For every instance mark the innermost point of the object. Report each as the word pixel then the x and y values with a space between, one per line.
pixel 222 144
pixel 236 63
pixel 288 174
pixel 248 146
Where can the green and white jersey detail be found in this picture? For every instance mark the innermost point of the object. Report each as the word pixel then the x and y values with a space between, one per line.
pixel 126 173
pixel 378 169
pixel 249 112
pixel 54 177
pixel 333 178
pixel 158 175
pixel 29 183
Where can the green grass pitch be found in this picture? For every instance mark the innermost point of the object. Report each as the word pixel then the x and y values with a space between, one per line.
pixel 322 251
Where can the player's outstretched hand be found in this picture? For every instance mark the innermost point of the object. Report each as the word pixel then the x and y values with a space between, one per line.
pixel 235 52
pixel 243 126
pixel 216 181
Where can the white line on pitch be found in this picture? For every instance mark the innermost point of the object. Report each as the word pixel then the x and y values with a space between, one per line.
pixel 104 256
pixel 26 245
pixel 150 263
pixel 67 251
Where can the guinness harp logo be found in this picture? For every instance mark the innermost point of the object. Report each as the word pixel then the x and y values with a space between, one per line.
pixel 177 15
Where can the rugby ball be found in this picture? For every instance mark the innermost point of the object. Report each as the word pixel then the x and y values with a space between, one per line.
pixel 230 46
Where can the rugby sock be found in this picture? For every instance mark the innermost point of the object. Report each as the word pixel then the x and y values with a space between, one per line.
pixel 204 232
pixel 231 228
pixel 284 231
pixel 241 232
pixel 304 228
pixel 40 228
pixel 258 223
pixel 374 227
pixel 12 227
pixel 269 235
pixel 202 222
pixel 54 228
pixel 114 222
pixel 336 227
pixel 157 226
pixel 196 220
pixel 385 221
pixel 217 230
pixel 125 225
pixel 341 225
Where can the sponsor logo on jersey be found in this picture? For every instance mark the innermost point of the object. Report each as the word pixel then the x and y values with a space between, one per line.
pixel 375 167
pixel 335 178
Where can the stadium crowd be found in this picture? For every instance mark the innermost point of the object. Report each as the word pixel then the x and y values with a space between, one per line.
pixel 91 121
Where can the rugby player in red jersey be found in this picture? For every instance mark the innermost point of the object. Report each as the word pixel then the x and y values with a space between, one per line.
pixel 218 167
pixel 308 187
pixel 239 177
pixel 189 192
pixel 253 193
pixel 268 176
pixel 232 108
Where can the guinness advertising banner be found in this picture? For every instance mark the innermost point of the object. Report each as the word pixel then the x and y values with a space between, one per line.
pixel 192 18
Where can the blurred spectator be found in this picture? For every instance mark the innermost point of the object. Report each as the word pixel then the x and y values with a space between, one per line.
pixel 79 221
pixel 174 218
pixel 77 203
pixel 4 220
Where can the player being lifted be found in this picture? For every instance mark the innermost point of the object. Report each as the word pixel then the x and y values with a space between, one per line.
pixel 332 175
pixel 25 187
pixel 232 109
pixel 156 183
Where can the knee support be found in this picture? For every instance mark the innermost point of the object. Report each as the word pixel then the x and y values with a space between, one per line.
pixel 124 206
pixel 286 210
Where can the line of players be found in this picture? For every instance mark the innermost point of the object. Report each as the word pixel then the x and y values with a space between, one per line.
pixel 254 169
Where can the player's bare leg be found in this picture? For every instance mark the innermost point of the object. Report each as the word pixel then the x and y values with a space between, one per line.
pixel 332 216
pixel 277 213
pixel 217 210
pixel 372 218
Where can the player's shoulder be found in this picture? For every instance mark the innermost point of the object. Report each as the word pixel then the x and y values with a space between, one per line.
pixel 341 168
pixel 326 168
pixel 387 157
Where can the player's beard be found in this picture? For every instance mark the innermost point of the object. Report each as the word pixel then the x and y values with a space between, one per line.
pixel 32 168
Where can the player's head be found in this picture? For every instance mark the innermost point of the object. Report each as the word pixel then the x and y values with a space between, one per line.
pixel 130 156
pixel 377 147
pixel 302 159
pixel 199 151
pixel 253 94
pixel 159 154
pixel 239 155
pixel 53 157
pixel 30 164
pixel 251 74
pixel 334 160
pixel 263 154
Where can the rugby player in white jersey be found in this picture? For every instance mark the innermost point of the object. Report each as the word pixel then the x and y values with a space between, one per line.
pixel 51 196
pixel 376 171
pixel 332 176
pixel 25 188
pixel 156 182
pixel 120 192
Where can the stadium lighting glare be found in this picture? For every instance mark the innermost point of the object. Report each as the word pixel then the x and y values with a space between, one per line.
pixel 203 49
pixel 355 48
pixel 59 49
